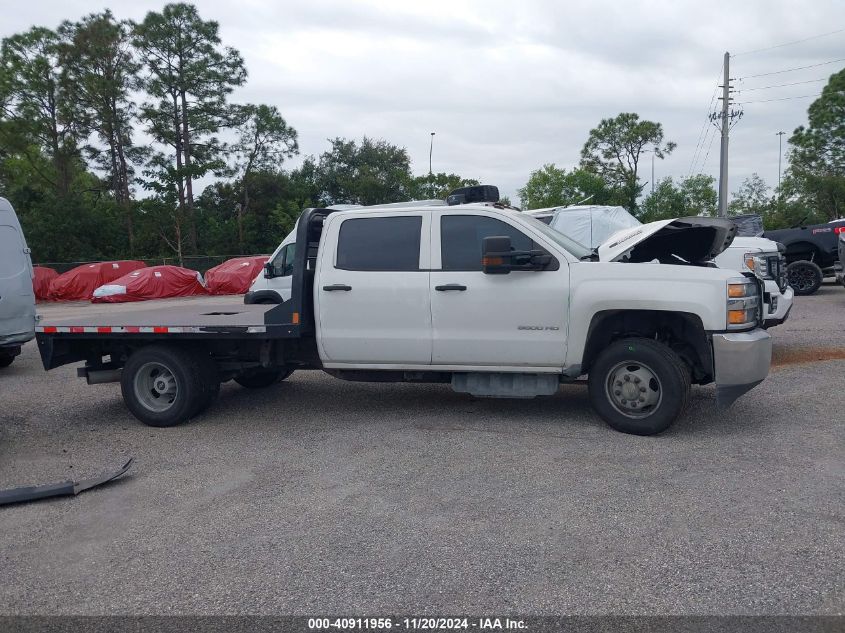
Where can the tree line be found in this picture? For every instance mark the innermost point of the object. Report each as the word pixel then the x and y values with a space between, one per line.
pixel 107 126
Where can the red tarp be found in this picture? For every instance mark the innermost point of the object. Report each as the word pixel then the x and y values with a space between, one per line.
pixel 234 276
pixel 78 284
pixel 41 281
pixel 155 282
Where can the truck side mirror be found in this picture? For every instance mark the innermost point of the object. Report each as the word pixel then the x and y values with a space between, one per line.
pixel 269 270
pixel 496 255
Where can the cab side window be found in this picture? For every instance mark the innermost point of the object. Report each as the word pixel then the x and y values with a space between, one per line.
pixel 461 237
pixel 380 244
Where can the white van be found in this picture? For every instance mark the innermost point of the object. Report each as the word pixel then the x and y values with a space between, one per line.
pixel 17 299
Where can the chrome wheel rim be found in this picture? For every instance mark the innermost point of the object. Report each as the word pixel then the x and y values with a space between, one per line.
pixel 155 387
pixel 634 389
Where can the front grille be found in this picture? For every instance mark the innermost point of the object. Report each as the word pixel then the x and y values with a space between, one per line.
pixel 777 270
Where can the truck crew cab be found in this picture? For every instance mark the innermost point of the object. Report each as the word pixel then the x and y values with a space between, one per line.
pixel 486 299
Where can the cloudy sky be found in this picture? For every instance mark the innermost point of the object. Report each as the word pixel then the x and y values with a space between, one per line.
pixel 509 86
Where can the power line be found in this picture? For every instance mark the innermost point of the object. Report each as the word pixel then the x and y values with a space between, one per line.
pixel 806 39
pixel 709 147
pixel 789 70
pixel 702 133
pixel 794 83
pixel 781 99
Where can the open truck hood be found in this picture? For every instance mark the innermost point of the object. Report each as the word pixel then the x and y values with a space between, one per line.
pixel 692 240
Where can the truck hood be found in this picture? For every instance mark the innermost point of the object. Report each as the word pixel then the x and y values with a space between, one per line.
pixel 694 240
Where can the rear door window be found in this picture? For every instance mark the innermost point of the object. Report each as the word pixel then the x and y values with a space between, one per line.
pixel 380 244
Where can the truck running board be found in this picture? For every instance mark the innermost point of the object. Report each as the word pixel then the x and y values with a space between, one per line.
pixel 501 385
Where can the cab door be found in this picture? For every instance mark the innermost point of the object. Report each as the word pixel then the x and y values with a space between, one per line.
pixel 478 319
pixel 371 290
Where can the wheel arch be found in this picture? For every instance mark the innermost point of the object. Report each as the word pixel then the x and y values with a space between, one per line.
pixel 802 250
pixel 683 332
pixel 263 296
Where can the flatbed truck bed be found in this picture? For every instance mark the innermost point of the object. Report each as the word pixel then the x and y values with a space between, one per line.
pixel 212 318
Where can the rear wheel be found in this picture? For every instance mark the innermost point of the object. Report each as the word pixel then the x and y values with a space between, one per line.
pixel 805 277
pixel 639 386
pixel 261 378
pixel 165 386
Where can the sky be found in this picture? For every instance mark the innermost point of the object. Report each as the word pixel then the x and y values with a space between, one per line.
pixel 509 86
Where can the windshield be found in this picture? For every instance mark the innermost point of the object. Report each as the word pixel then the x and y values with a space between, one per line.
pixel 592 226
pixel 567 243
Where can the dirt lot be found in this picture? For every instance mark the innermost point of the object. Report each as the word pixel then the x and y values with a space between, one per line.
pixel 319 496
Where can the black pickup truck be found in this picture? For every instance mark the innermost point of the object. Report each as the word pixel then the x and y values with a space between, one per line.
pixel 811 253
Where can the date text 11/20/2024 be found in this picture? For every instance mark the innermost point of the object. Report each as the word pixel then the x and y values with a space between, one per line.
pixel 416 624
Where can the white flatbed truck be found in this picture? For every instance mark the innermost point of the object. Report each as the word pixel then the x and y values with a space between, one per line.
pixel 485 298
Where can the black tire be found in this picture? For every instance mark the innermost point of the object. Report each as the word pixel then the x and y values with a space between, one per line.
pixel 8 355
pixel 663 400
pixel 150 369
pixel 804 277
pixel 261 378
pixel 266 301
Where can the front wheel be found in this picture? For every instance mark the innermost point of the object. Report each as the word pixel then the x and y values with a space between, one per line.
pixel 805 277
pixel 164 386
pixel 639 386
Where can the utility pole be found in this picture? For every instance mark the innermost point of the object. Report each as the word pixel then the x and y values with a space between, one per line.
pixel 780 154
pixel 726 122
pixel 723 157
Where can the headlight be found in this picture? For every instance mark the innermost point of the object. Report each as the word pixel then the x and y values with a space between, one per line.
pixel 758 263
pixel 743 303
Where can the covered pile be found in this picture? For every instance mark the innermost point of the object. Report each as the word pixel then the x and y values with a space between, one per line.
pixel 155 282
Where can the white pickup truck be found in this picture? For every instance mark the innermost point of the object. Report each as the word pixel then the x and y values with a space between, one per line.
pixel 486 299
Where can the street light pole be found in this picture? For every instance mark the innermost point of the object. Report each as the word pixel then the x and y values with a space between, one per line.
pixel 430 151
pixel 430 173
pixel 780 154
pixel 652 169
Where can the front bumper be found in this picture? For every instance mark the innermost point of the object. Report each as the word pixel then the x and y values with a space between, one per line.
pixel 741 361
pixel 783 303
pixel 17 339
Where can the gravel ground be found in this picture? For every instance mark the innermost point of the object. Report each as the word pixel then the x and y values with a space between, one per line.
pixel 318 496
